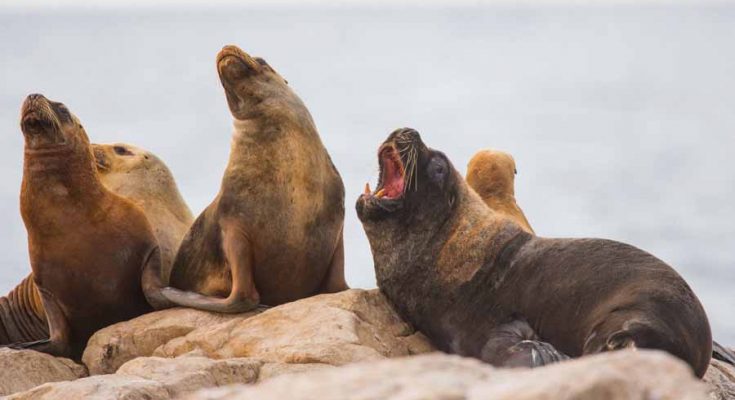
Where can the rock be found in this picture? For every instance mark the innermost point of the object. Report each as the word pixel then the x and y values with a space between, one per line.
pixel 111 347
pixel 23 369
pixel 611 376
pixel 101 387
pixel 334 329
pixel 186 374
pixel 720 378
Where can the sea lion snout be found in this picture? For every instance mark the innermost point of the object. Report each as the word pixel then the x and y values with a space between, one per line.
pixel 40 122
pixel 234 64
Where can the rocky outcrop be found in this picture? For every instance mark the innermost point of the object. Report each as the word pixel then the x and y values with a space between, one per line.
pixel 154 378
pixel 611 376
pixel 23 369
pixel 111 347
pixel 334 329
pixel 720 378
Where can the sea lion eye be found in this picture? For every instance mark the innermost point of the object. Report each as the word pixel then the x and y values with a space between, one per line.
pixel 437 169
pixel 121 151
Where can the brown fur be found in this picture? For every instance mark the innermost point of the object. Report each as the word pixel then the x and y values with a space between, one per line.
pixel 273 234
pixel 478 285
pixel 491 173
pixel 139 176
pixel 87 245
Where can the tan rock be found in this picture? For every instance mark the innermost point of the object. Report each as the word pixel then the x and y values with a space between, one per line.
pixel 101 387
pixel 111 347
pixel 334 329
pixel 720 378
pixel 611 376
pixel 186 374
pixel 24 369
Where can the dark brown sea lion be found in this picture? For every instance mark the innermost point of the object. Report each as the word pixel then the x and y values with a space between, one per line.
pixel 480 286
pixel 88 247
pixel 491 173
pixel 273 234
pixel 139 176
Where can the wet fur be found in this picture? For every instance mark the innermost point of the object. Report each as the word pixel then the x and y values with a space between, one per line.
pixel 457 271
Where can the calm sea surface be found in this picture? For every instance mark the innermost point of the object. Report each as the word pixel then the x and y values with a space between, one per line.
pixel 621 119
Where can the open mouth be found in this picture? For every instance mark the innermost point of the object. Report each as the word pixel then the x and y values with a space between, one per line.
pixel 391 182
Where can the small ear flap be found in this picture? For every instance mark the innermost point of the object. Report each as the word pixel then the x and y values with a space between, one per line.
pixel 515 171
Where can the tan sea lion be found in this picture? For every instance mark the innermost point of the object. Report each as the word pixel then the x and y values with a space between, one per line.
pixel 273 234
pixel 130 172
pixel 143 178
pixel 478 285
pixel 88 247
pixel 491 173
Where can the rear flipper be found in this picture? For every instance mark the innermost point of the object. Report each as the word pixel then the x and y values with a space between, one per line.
pixel 59 343
pixel 720 352
pixel 22 318
pixel 515 344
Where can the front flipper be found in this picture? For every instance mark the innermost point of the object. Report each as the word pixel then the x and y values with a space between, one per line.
pixel 515 344
pixel 334 281
pixel 243 295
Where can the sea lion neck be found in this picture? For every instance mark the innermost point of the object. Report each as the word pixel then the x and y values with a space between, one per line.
pixel 61 173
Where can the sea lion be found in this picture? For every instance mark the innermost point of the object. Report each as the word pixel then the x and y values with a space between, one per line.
pixel 88 247
pixel 478 285
pixel 491 173
pixel 143 178
pixel 273 234
pixel 130 172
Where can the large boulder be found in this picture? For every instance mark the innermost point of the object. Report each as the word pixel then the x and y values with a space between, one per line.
pixel 23 369
pixel 153 378
pixel 101 387
pixel 335 329
pixel 111 347
pixel 610 376
pixel 720 378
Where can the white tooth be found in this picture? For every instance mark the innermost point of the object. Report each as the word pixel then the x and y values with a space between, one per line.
pixel 380 193
pixel 367 188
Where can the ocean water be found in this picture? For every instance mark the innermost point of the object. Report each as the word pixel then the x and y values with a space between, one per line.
pixel 621 119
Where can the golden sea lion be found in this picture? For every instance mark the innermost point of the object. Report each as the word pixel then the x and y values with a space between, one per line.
pixel 143 178
pixel 478 285
pixel 273 234
pixel 133 173
pixel 491 173
pixel 88 247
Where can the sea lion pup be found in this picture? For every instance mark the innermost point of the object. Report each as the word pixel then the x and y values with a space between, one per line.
pixel 87 246
pixel 143 178
pixel 491 173
pixel 273 234
pixel 480 286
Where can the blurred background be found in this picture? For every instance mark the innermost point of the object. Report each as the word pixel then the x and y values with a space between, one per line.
pixel 620 115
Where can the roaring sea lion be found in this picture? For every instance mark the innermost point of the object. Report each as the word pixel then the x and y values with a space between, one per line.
pixel 478 285
pixel 130 172
pixel 88 247
pixel 273 234
pixel 491 173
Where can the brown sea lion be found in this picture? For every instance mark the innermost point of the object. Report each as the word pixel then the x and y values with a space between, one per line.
pixel 130 172
pixel 273 234
pixel 480 286
pixel 491 173
pixel 88 247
